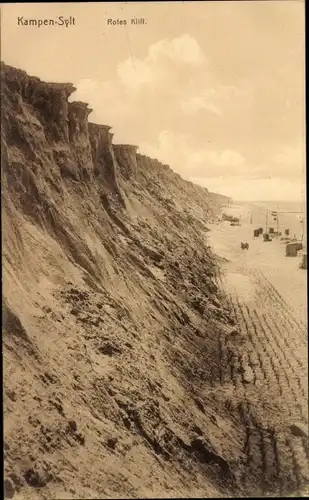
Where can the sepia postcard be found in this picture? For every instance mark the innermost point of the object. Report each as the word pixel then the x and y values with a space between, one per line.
pixel 154 250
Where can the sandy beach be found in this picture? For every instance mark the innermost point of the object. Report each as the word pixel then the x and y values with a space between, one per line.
pixel 266 292
pixel 268 259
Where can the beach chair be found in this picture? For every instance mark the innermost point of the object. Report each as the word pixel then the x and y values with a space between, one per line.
pixel 291 249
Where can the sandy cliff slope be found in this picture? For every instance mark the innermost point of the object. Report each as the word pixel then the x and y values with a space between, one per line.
pixel 111 313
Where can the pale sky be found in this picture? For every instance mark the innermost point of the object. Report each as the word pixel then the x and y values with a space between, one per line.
pixel 214 89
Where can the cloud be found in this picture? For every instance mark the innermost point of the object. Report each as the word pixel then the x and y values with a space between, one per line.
pixel 223 159
pixel 244 189
pixel 212 99
pixel 288 162
pixel 197 103
pixel 87 86
pixel 184 157
pixel 291 155
pixel 212 130
pixel 161 60
pixel 134 73
pixel 184 49
pixel 164 86
pixel 169 87
pixel 227 171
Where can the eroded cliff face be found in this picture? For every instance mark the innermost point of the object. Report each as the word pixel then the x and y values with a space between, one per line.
pixel 103 157
pixel 111 312
pixel 126 159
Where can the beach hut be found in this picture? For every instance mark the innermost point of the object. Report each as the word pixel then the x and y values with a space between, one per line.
pixel 271 230
pixel 256 233
pixel 260 230
pixel 266 237
pixel 303 264
pixel 292 248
